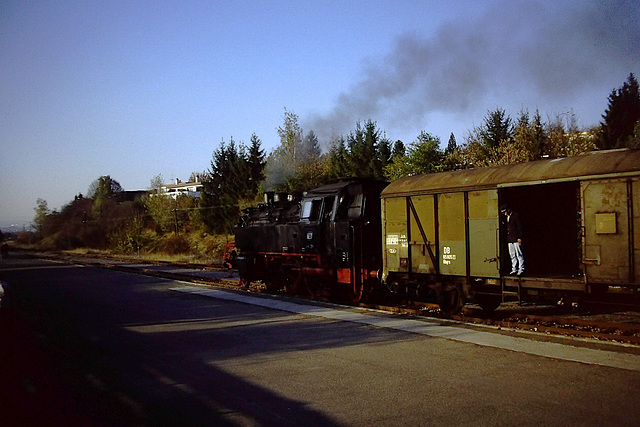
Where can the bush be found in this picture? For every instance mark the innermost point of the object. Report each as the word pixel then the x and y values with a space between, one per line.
pixel 171 244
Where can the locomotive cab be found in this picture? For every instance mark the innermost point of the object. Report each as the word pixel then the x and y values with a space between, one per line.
pixel 341 223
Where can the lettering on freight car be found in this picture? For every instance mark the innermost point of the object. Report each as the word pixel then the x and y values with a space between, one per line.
pixel 447 256
pixel 394 239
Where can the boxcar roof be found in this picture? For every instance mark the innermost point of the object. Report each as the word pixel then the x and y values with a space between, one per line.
pixel 593 164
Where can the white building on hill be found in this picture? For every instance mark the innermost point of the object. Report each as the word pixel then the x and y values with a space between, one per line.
pixel 178 188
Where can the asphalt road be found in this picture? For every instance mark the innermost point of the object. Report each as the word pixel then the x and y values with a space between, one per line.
pixel 90 346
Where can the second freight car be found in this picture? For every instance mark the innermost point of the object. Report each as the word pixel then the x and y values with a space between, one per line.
pixel 443 239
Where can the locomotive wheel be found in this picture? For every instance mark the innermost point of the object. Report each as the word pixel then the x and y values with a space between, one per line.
pixel 292 280
pixel 244 283
pixel 369 289
pixel 488 302
pixel 355 293
pixel 272 286
pixel 311 286
pixel 451 300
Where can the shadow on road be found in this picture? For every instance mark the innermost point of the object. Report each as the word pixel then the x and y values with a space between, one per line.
pixel 75 351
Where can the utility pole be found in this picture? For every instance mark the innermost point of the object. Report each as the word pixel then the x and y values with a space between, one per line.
pixel 175 212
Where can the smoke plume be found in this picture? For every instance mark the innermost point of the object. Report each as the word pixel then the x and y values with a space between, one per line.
pixel 530 52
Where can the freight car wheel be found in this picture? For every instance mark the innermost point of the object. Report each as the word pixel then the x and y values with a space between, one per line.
pixel 451 300
pixel 488 302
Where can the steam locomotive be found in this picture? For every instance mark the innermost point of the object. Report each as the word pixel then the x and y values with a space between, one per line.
pixel 439 237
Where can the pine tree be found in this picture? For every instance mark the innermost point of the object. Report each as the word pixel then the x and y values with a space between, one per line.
pixel 617 129
pixel 451 145
pixel 223 186
pixel 384 151
pixel 364 154
pixel 399 149
pixel 256 161
pixel 497 128
pixel 338 161
pixel 423 156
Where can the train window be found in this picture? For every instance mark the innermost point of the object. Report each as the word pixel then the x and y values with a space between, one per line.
pixel 328 207
pixel 355 209
pixel 311 209
pixel 350 204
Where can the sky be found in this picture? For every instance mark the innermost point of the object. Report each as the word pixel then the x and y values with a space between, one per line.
pixel 135 89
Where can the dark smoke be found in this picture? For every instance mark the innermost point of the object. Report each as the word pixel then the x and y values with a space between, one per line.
pixel 525 50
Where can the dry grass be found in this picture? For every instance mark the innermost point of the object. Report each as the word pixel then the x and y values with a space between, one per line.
pixel 192 248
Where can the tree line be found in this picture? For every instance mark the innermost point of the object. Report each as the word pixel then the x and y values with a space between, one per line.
pixel 239 173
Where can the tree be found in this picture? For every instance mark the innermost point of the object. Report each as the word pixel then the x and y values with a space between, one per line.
pixel 497 128
pixel 425 153
pixel 487 143
pixel 384 151
pixel 337 159
pixel 284 161
pixel 529 140
pixel 291 137
pixel 159 207
pixel 103 190
pixel 531 135
pixel 364 156
pixel 297 162
pixel 256 162
pixel 398 149
pixel 451 156
pixel 309 175
pixel 156 183
pixel 423 156
pixel 309 149
pixel 621 117
pixel 42 212
pixel 105 186
pixel 224 185
pixel 196 176
pixel 635 141
pixel 452 145
pixel 564 139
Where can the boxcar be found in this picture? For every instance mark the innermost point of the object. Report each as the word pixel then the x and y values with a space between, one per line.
pixel 443 239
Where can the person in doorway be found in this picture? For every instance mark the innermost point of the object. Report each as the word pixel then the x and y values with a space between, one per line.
pixel 514 239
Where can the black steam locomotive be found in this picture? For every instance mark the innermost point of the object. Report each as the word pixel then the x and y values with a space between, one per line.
pixel 328 242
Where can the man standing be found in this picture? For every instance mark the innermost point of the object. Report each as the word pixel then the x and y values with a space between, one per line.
pixel 514 239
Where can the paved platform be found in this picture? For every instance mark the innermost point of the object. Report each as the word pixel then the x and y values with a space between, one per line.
pixel 435 328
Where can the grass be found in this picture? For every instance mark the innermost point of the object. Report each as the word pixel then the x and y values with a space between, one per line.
pixel 190 248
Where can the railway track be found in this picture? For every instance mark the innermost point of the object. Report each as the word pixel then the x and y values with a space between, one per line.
pixel 603 322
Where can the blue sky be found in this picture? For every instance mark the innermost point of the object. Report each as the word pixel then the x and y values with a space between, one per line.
pixel 134 89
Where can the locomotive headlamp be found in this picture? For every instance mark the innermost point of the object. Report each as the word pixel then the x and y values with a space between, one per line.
pixel 310 235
